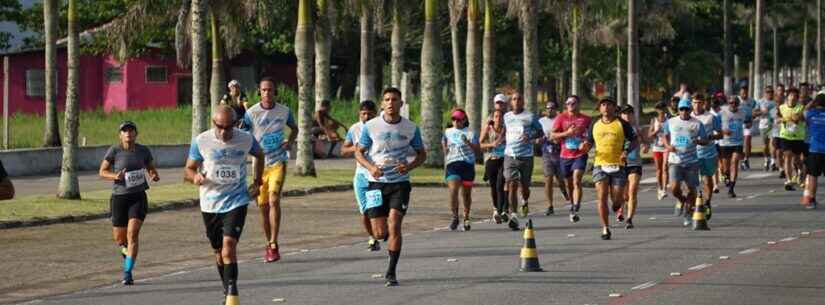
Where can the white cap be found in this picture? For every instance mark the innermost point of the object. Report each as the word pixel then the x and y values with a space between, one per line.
pixel 500 98
pixel 234 83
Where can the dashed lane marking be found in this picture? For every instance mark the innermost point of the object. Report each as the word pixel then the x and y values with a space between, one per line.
pixel 699 267
pixel 644 286
pixel 749 251
pixel 787 239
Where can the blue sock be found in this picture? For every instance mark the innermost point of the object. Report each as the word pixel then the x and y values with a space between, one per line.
pixel 128 264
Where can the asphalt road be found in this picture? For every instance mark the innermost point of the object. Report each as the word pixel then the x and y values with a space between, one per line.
pixel 764 248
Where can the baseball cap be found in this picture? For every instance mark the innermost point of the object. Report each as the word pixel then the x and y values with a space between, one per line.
pixel 627 109
pixel 684 103
pixel 233 82
pixel 500 98
pixel 126 125
pixel 607 99
pixel 458 115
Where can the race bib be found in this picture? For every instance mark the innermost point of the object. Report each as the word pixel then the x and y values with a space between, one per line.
pixel 681 141
pixel 514 133
pixel 610 168
pixel 572 143
pixel 271 141
pixel 734 126
pixel 374 199
pixel 224 174
pixel 790 127
pixel 764 124
pixel 135 178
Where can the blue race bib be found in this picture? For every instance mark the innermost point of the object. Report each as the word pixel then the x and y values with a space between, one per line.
pixel 374 199
pixel 681 141
pixel 271 141
pixel 572 143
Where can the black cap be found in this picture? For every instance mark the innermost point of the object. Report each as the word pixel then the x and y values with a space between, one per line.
pixel 627 109
pixel 607 99
pixel 127 124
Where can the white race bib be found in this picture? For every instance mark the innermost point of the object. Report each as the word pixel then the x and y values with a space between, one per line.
pixel 135 178
pixel 224 174
pixel 790 127
pixel 514 133
pixel 374 199
pixel 610 168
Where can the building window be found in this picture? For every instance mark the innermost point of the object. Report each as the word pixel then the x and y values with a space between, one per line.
pixel 36 82
pixel 114 74
pixel 156 74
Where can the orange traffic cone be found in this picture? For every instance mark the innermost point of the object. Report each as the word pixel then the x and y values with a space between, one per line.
pixel 529 255
pixel 700 223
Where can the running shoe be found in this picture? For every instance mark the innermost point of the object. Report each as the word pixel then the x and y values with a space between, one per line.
pixel 789 186
pixel 513 223
pixel 661 194
pixel 767 165
pixel 773 166
pixel 574 217
pixel 272 254
pixel 811 206
pixel 549 211
pixel 123 251
pixel 708 210
pixel 391 281
pixel 466 225
pixel 525 210
pixel 373 245
pixel 619 216
pixel 606 234
pixel 782 174
pixel 746 165
pixel 731 193
pixel 496 217
pixel 629 224
pixel 505 217
pixel 727 181
pixel 687 221
pixel 454 223
pixel 716 189
pixel 677 209
pixel 127 279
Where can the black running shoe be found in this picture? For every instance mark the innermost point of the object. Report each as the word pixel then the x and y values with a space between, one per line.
pixel 708 211
pixel 727 181
pixel 731 193
pixel 505 217
pixel 549 211
pixel 606 234
pixel 391 281
pixel 574 217
pixel 782 174
pixel 373 245
pixel 467 225
pixel 127 279
pixel 454 223
pixel 629 224
pixel 789 186
pixel 513 223
pixel 687 221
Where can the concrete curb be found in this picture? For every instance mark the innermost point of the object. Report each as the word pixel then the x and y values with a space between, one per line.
pixel 188 203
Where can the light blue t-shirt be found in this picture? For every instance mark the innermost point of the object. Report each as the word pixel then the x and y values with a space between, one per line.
pixel 267 126
pixel 553 149
pixel 735 122
pixel 457 150
pixel 224 166
pixel 768 120
pixel 353 135
pixel 682 134
pixel 634 157
pixel 712 125
pixel 517 125
pixel 388 144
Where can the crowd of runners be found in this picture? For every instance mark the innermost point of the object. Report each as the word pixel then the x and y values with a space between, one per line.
pixel 698 142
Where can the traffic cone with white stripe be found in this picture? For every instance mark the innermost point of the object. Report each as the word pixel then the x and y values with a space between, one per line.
pixel 700 222
pixel 529 255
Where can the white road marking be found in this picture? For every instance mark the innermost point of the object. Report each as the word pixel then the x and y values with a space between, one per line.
pixel 752 196
pixel 806 233
pixel 772 191
pixel 644 286
pixel 699 267
pixel 771 242
pixel 304 250
pixel 675 274
pixel 749 251
pixel 739 199
pixel 648 180
pixel 788 239
pixel 278 300
pixel 724 257
pixel 376 276
pixel 652 218
pixel 615 295
pixel 571 235
pixel 452 260
pixel 758 176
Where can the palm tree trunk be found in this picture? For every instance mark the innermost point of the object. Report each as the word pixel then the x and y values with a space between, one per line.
pixel 488 57
pixel 531 55
pixel 200 115
pixel 51 135
pixel 726 58
pixel 304 164
pixel 217 82
pixel 619 77
pixel 69 188
pixel 574 75
pixel 735 69
pixel 633 57
pixel 751 91
pixel 473 102
pixel 757 54
pixel 804 65
pixel 430 85
pixel 397 45
pixel 323 51
pixel 820 74
pixel 458 77
pixel 775 72
pixel 366 78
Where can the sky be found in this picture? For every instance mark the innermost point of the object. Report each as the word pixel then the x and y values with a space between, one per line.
pixel 12 27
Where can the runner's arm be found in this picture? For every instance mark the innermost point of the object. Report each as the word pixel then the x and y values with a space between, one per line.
pixel 105 170
pixel 191 173
pixel 153 172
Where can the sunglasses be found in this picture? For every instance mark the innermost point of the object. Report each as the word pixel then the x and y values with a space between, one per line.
pixel 223 127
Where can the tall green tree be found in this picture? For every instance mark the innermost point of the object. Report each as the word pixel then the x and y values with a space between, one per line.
pixel 488 57
pixel 473 102
pixel 758 47
pixel 217 80
pixel 69 188
pixel 527 13
pixel 305 166
pixel 323 51
pixel 51 135
pixel 727 57
pixel 431 111
pixel 456 9
pixel 397 43
pixel 10 10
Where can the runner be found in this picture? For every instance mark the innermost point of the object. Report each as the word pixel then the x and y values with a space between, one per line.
pixel 126 165
pixel 382 148
pixel 460 146
pixel 217 164
pixel 716 109
pixel 766 115
pixel 656 133
pixel 682 135
pixel 236 99
pixel 734 121
pixel 776 128
pixel 792 135
pixel 492 141
pixel 265 121
pixel 570 130
pixel 609 135
pixel 746 105
pixel 815 121
pixel 522 128
pixel 633 169
pixel 550 150
pixel 707 154
pixel 360 182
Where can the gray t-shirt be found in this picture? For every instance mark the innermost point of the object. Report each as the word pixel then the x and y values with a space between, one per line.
pixel 135 162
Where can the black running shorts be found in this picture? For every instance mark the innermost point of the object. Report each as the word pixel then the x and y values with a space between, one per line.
pixel 219 225
pixel 128 206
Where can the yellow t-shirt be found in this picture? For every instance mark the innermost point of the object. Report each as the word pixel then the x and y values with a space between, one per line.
pixel 790 130
pixel 609 140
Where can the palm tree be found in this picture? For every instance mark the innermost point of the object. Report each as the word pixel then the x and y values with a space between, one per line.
pixel 473 102
pixel 69 187
pixel 456 9
pixel 323 51
pixel 303 52
pixel 805 59
pixel 397 43
pixel 527 13
pixel 727 41
pixel 820 74
pixel 430 86
pixel 757 54
pixel 577 17
pixel 633 57
pixel 51 135
pixel 613 33
pixel 366 10
pixel 217 80
pixel 488 58
pixel 200 114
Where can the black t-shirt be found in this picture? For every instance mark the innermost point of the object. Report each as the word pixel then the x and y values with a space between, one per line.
pixel 135 162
